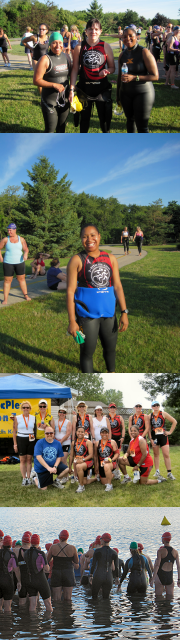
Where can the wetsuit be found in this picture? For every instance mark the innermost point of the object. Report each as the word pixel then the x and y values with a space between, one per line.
pixel 121 568
pixel 94 88
pixel 63 571
pixel 95 308
pixel 137 98
pixel 125 240
pixel 157 429
pixel 83 451
pixel 136 454
pixel 85 424
pixel 116 429
pixel 24 573
pixel 37 581
pixel 8 562
pixel 137 565
pixel 166 577
pixel 55 106
pixel 156 47
pixel 102 571
pixel 106 452
pixel 40 49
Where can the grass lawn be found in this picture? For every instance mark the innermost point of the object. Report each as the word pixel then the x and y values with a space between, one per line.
pixel 21 109
pixel 130 495
pixel 33 335
pixel 63 261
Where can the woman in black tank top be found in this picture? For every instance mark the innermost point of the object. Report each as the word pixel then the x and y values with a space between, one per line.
pixel 52 75
pixel 135 89
pixel 41 43
pixel 65 560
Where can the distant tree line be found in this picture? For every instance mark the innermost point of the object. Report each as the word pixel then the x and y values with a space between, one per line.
pixel 15 15
pixel 50 215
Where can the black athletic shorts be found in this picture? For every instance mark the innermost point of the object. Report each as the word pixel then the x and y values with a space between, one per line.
pixel 63 577
pixel 54 286
pixel 160 437
pixel 46 478
pixel 6 586
pixel 101 469
pixel 4 49
pixel 66 448
pixel 9 269
pixel 39 583
pixel 25 446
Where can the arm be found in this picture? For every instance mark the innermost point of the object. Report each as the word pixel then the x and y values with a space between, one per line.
pixel 25 248
pixel 173 423
pixel 109 427
pixel 118 78
pixel 123 431
pixel 91 427
pixel 142 445
pixel 71 457
pixel 156 567
pixel 96 462
pixel 45 465
pixel 125 571
pixel 116 451
pixel 130 425
pixel 52 423
pixel 30 38
pixel 119 293
pixel 109 60
pixel 90 451
pixel 178 568
pixel 2 245
pixel 15 425
pixel 146 426
pixel 40 70
pixel 62 276
pixel 7 40
pixel 73 427
pixel 73 268
pixel 74 71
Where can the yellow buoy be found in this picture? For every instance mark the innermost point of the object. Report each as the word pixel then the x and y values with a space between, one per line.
pixel 165 521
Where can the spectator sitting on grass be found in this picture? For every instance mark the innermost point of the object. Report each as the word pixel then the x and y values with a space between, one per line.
pixel 55 278
pixel 38 265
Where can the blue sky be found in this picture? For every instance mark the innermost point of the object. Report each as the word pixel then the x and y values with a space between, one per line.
pixel 133 168
pixel 166 7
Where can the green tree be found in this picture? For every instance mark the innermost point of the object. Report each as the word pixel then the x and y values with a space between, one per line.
pixel 89 387
pixel 160 19
pixel 173 212
pixel 165 383
pixel 130 17
pixel 95 11
pixel 111 395
pixel 9 202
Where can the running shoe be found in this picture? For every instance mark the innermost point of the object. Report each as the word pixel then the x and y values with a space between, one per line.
pixel 116 474
pixel 170 475
pixel 157 474
pixel 161 479
pixel 126 480
pixel 174 86
pixel 108 487
pixel 64 480
pixel 10 65
pixel 80 489
pixel 57 484
pixel 28 481
pixel 24 482
pixel 33 474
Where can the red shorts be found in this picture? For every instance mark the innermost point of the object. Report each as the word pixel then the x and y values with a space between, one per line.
pixel 145 471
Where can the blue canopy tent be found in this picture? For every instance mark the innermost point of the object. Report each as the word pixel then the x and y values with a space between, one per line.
pixel 22 386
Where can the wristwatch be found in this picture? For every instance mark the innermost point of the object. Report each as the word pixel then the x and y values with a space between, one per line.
pixel 124 311
pixel 137 78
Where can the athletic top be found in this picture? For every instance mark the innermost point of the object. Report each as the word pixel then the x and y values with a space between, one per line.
pixel 92 60
pixel 139 422
pixel 106 452
pixel 168 558
pixel 65 41
pixel 116 426
pixel 49 452
pixel 35 560
pixel 46 420
pixel 41 262
pixel 83 423
pixel 60 431
pixel 40 49
pixel 3 41
pixel 21 562
pixel 58 71
pixel 94 296
pixel 98 425
pixel 135 452
pixel 52 276
pixel 125 234
pixel 136 563
pixel 135 63
pixel 82 450
pixel 157 424
pixel 13 252
pixel 23 430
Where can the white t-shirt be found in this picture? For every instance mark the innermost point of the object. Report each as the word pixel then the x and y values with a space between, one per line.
pixel 60 434
pixel 22 429
pixel 98 425
pixel 26 35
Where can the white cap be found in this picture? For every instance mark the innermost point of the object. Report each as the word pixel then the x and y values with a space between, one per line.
pixel 98 407
pixel 45 401
pixel 81 402
pixel 62 408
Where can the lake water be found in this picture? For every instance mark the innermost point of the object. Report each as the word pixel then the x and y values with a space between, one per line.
pixel 120 617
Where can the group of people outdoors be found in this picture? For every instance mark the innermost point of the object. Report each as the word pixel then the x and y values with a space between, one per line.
pixel 90 442
pixel 67 69
pixel 26 567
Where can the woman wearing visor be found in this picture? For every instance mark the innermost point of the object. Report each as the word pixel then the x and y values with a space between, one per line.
pixel 16 252
pixel 158 435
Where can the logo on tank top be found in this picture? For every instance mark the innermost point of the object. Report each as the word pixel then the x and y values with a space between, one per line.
pixel 105 453
pixel 157 423
pixel 93 59
pixel 100 275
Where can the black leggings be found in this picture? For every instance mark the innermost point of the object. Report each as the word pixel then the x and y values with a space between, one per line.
pixel 55 118
pixel 139 241
pixel 126 243
pixel 104 114
pixel 137 106
pixel 107 329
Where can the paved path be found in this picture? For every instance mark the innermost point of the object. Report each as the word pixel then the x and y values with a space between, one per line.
pixel 38 287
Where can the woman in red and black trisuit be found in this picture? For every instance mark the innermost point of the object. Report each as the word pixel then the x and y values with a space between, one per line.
pixel 93 287
pixel 92 56
pixel 139 458
pixel 83 419
pixel 82 454
pixel 107 453
pixel 117 430
pixel 159 437
pixel 139 419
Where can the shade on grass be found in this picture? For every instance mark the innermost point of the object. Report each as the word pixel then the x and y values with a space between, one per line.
pixel 12 494
pixel 33 335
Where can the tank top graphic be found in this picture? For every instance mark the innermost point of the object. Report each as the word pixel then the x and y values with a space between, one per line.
pixel 92 61
pixel 95 296
pixel 157 424
pixel 140 423
pixel 107 451
pixel 82 451
pixel 86 425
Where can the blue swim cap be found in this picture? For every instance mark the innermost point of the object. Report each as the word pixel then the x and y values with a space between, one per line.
pixel 55 36
pixel 12 225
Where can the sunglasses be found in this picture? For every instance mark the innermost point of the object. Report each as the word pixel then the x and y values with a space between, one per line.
pixel 155 405
pixel 61 412
pixel 26 408
pixel 49 433
pixel 139 406
pixel 42 406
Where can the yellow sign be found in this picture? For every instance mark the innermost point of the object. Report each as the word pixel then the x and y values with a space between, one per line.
pixel 9 407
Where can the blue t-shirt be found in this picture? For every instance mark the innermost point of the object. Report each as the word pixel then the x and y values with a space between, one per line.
pixel 52 276
pixel 49 452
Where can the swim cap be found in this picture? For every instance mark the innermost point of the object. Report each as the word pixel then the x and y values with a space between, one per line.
pixel 64 535
pixel 48 545
pixel 55 36
pixel 28 533
pixel 35 539
pixel 13 544
pixel 1 534
pixel 7 542
pixel 12 225
pixel 106 537
pixel 26 538
pixel 80 550
pixel 155 402
pixel 133 545
pixel 166 536
pixel 18 543
pixel 140 546
pixel 98 540
pixel 114 549
pixel 56 541
pixel 132 26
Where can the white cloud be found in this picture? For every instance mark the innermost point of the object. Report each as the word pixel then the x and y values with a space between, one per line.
pixel 28 145
pixel 140 186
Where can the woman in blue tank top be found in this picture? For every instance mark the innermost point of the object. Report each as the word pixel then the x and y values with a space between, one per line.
pixel 16 252
pixel 93 287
